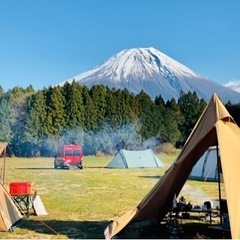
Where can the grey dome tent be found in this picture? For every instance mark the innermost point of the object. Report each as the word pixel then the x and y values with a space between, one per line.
pixel 135 159
pixel 206 168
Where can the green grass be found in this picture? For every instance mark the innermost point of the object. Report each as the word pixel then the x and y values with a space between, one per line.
pixel 80 203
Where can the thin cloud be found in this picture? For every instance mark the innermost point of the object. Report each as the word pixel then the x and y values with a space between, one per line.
pixel 234 85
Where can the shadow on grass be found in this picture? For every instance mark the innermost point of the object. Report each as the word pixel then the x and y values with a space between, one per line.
pixel 95 229
pixel 32 168
pixel 202 180
pixel 157 176
pixel 57 169
pixel 95 167
pixel 179 231
pixel 69 229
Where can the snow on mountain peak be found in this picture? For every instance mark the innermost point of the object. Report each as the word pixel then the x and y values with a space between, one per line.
pixel 149 61
pixel 137 63
pixel 154 72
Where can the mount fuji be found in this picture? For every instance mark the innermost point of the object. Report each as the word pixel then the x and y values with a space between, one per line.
pixel 155 73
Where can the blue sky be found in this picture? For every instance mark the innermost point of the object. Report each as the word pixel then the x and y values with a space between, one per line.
pixel 45 42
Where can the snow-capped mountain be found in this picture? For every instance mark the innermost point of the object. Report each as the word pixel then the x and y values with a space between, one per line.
pixel 154 72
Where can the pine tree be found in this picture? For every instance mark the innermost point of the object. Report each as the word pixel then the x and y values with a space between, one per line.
pixel 147 116
pixel 5 120
pixel 56 122
pixel 129 106
pixel 234 110
pixel 98 94
pixel 1 91
pixel 112 116
pixel 74 109
pixel 191 108
pixel 90 113
pixel 17 100
pixel 36 128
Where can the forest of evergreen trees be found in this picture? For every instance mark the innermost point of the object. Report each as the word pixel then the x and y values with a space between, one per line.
pixel 35 123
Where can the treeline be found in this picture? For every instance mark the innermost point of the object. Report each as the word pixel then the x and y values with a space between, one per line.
pixel 101 119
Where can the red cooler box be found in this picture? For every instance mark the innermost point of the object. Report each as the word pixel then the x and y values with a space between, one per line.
pixel 21 188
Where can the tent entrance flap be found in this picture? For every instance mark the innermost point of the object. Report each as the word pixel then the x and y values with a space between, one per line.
pixel 206 168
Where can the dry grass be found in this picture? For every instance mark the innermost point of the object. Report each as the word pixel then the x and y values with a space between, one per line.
pixel 80 203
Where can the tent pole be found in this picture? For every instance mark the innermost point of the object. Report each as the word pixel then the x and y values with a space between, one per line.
pixel 4 166
pixel 219 183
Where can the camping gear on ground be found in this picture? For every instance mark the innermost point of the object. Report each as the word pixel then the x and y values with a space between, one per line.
pixel 207 205
pixel 215 204
pixel 174 228
pixel 23 194
pixel 21 188
pixel 225 224
pixel 186 215
pixel 135 159
pixel 215 127
pixel 38 206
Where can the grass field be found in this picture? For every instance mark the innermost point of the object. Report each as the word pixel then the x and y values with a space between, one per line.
pixel 81 203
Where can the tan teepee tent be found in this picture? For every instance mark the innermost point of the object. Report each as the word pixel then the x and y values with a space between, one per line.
pixel 9 213
pixel 215 126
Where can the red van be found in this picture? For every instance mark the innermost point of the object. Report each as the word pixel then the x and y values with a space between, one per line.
pixel 69 155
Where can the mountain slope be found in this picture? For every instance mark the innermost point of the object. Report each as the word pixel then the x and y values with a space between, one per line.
pixel 154 72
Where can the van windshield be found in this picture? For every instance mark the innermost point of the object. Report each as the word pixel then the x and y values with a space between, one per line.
pixel 68 153
pixel 76 152
pixel 72 152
